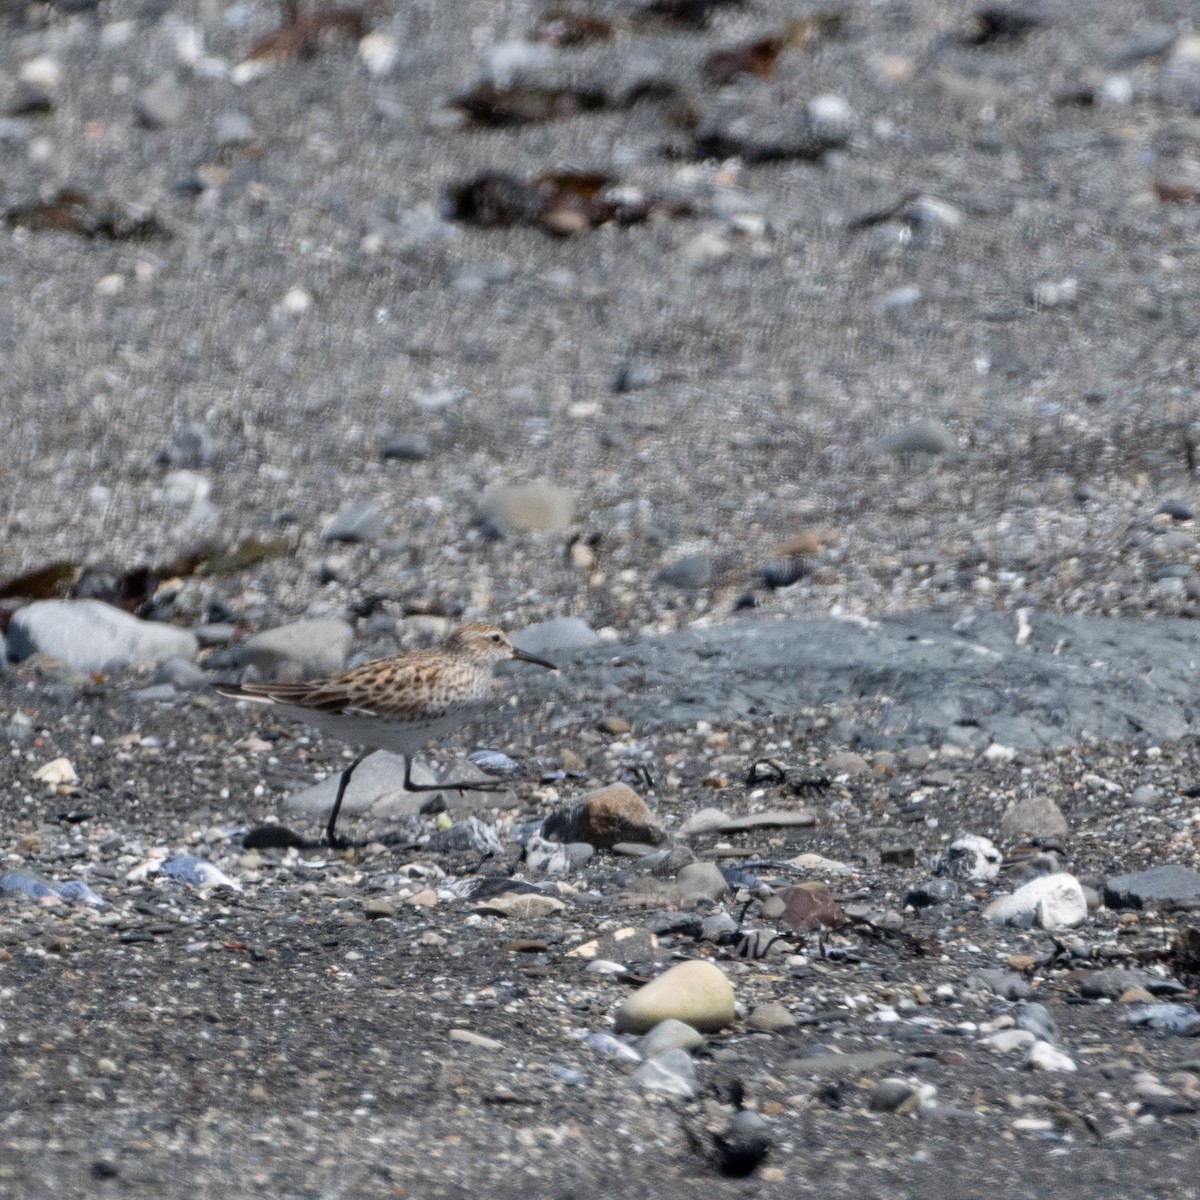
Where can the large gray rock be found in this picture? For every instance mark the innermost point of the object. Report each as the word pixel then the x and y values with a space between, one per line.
pixel 303 650
pixel 89 635
pixel 945 678
pixel 1159 887
pixel 557 635
pixel 376 790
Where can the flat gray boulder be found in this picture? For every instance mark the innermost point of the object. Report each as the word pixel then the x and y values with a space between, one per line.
pixel 89 635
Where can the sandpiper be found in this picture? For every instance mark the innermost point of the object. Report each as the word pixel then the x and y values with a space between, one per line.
pixel 399 703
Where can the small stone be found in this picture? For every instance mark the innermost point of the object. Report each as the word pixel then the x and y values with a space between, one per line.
pixel 695 992
pixel 468 1037
pixel 771 1017
pixel 558 635
pixel 614 725
pixel 355 523
pixel 302 650
pixel 233 129
pixel 847 762
pixel 926 436
pixel 671 1072
pixel 55 772
pixel 1010 1041
pixel 692 572
pixel 524 508
pixel 701 881
pixel 191 448
pixel 670 1035
pixel 378 909
pixel 888 1095
pixel 162 104
pixel 409 447
pixel 1044 1057
pixel 898 856
pixel 931 893
pixel 1033 817
pixel 524 905
pixel 793 818
pixel 707 820
pixel 608 816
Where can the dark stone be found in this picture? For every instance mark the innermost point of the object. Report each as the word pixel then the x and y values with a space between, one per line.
pixel 1170 886
pixel 933 891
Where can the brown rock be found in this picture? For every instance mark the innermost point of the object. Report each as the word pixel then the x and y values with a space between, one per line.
pixel 611 815
pixel 615 725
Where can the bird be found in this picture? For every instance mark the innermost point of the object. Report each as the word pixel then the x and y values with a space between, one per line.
pixel 398 703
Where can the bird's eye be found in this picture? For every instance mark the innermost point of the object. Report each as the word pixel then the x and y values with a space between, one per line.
pixel 495 637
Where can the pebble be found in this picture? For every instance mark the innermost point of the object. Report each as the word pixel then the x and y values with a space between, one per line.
pixel 558 635
pixel 847 762
pixel 606 817
pixel 410 447
pixel 191 448
pixel 1033 817
pixel 525 508
pixel 355 523
pixel 671 1072
pixel 305 649
pixel 1010 1041
pixel 524 905
pixel 925 436
pixel 56 771
pixel 378 909
pixel 696 992
pixel 468 1037
pixel 1044 1057
pixel 1049 901
pixel 771 1017
pixel 824 1061
pixel 670 1034
pixel 701 881
pixel 193 871
pixel 690 573
pixel 932 893
pixel 89 635
pixel 707 820
pixel 161 104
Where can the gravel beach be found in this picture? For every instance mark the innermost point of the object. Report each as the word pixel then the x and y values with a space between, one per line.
pixel 814 385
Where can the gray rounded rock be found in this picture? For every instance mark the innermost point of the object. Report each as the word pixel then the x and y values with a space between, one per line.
pixel 89 635
pixel 301 650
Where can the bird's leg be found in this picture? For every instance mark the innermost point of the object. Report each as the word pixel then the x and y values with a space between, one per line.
pixel 484 785
pixel 334 841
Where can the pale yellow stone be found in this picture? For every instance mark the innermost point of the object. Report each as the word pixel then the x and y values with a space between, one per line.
pixel 697 993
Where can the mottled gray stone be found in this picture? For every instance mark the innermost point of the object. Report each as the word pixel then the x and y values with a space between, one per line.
pixel 355 523
pixel 89 635
pixel 1159 887
pixel 926 436
pixel 1033 816
pixel 302 650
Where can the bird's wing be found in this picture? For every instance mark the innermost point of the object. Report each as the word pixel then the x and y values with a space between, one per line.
pixel 388 687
